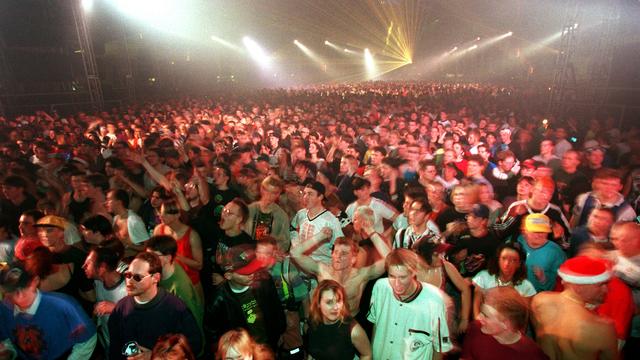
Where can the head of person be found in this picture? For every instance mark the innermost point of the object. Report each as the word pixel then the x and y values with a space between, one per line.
pixel 18 285
pixel 377 154
pixel 221 175
pixel 506 160
pixel 509 263
pixel 625 237
pixel 435 193
pixel 475 166
pixel 116 201
pixel 361 188
pixel 51 231
pixel 427 170
pixel 607 184
pixel 96 229
pixel 325 176
pixel 547 147
pixel 586 277
pixel 418 212
pixel 234 215
pixel 463 196
pixel 241 265
pixel 504 310
pixel 363 218
pixel 270 189
pixel 172 347
pixel 595 157
pixel 239 345
pixel 483 150
pixel 328 303
pixel 27 223
pixel 478 217
pixel 13 187
pixel 267 250
pixel 143 275
pixel 402 266
pixel 170 212
pixel 348 164
pixel 570 161
pixel 103 259
pixel 542 192
pixel 600 221
pixel 525 187
pixel 372 174
pixel 344 253
pixel 165 246
pixel 536 229
pixel 313 195
pixel 432 253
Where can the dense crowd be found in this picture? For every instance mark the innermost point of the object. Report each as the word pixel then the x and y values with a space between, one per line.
pixel 379 220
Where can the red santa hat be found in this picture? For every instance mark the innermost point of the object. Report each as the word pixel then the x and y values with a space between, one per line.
pixel 584 270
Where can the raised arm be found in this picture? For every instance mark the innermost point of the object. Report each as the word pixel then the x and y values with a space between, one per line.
pixel 306 262
pixel 465 289
pixel 383 248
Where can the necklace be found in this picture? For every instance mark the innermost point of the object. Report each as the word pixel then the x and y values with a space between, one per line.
pixel 503 283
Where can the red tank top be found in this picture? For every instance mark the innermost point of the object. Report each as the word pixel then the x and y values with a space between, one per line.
pixel 184 249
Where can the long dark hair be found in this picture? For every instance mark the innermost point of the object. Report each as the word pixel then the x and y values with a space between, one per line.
pixel 494 263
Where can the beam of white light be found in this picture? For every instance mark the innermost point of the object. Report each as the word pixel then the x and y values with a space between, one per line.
pixel 472 47
pixel 225 43
pixel 87 5
pixel 369 64
pixel 541 45
pixel 305 49
pixel 257 53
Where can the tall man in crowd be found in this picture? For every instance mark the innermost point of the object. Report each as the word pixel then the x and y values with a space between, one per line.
pixel 409 317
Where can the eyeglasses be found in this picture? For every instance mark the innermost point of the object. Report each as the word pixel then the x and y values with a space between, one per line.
pixel 135 277
pixel 229 212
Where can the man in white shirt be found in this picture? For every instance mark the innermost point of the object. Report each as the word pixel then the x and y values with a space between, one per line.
pixel 409 316
pixel 313 219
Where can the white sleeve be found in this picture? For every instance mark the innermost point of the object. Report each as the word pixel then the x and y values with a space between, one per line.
pixel 83 350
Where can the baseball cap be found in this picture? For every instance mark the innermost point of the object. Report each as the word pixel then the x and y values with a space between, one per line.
pixel 537 223
pixel 480 211
pixel 317 186
pixel 53 221
pixel 241 259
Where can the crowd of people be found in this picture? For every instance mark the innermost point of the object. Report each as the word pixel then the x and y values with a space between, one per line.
pixel 380 220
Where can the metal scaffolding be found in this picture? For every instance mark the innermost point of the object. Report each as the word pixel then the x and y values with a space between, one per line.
pixel 94 86
pixel 564 86
pixel 601 55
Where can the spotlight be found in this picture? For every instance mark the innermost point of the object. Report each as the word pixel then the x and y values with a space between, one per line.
pixel 369 64
pixel 473 47
pixel 509 33
pixel 256 52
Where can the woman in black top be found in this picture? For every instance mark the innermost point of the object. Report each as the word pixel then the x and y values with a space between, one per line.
pixel 333 334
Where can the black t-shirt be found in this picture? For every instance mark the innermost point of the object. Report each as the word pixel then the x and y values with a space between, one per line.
pixel 479 251
pixel 254 316
pixel 449 215
pixel 78 281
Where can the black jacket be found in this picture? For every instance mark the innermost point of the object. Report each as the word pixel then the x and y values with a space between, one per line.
pixel 224 312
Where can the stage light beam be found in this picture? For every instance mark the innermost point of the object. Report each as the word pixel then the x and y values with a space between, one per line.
pixel 257 53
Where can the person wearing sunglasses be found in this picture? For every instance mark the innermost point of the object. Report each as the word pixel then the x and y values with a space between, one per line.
pixel 40 325
pixel 148 312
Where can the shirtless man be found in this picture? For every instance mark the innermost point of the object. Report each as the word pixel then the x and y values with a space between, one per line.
pixel 343 259
pixel 566 327
pixel 127 225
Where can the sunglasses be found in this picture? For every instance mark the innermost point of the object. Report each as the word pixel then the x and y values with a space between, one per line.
pixel 135 277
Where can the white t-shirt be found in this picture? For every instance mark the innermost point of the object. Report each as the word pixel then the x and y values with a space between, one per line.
pixel 112 295
pixel 381 210
pixel 307 228
pixel 408 331
pixel 486 281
